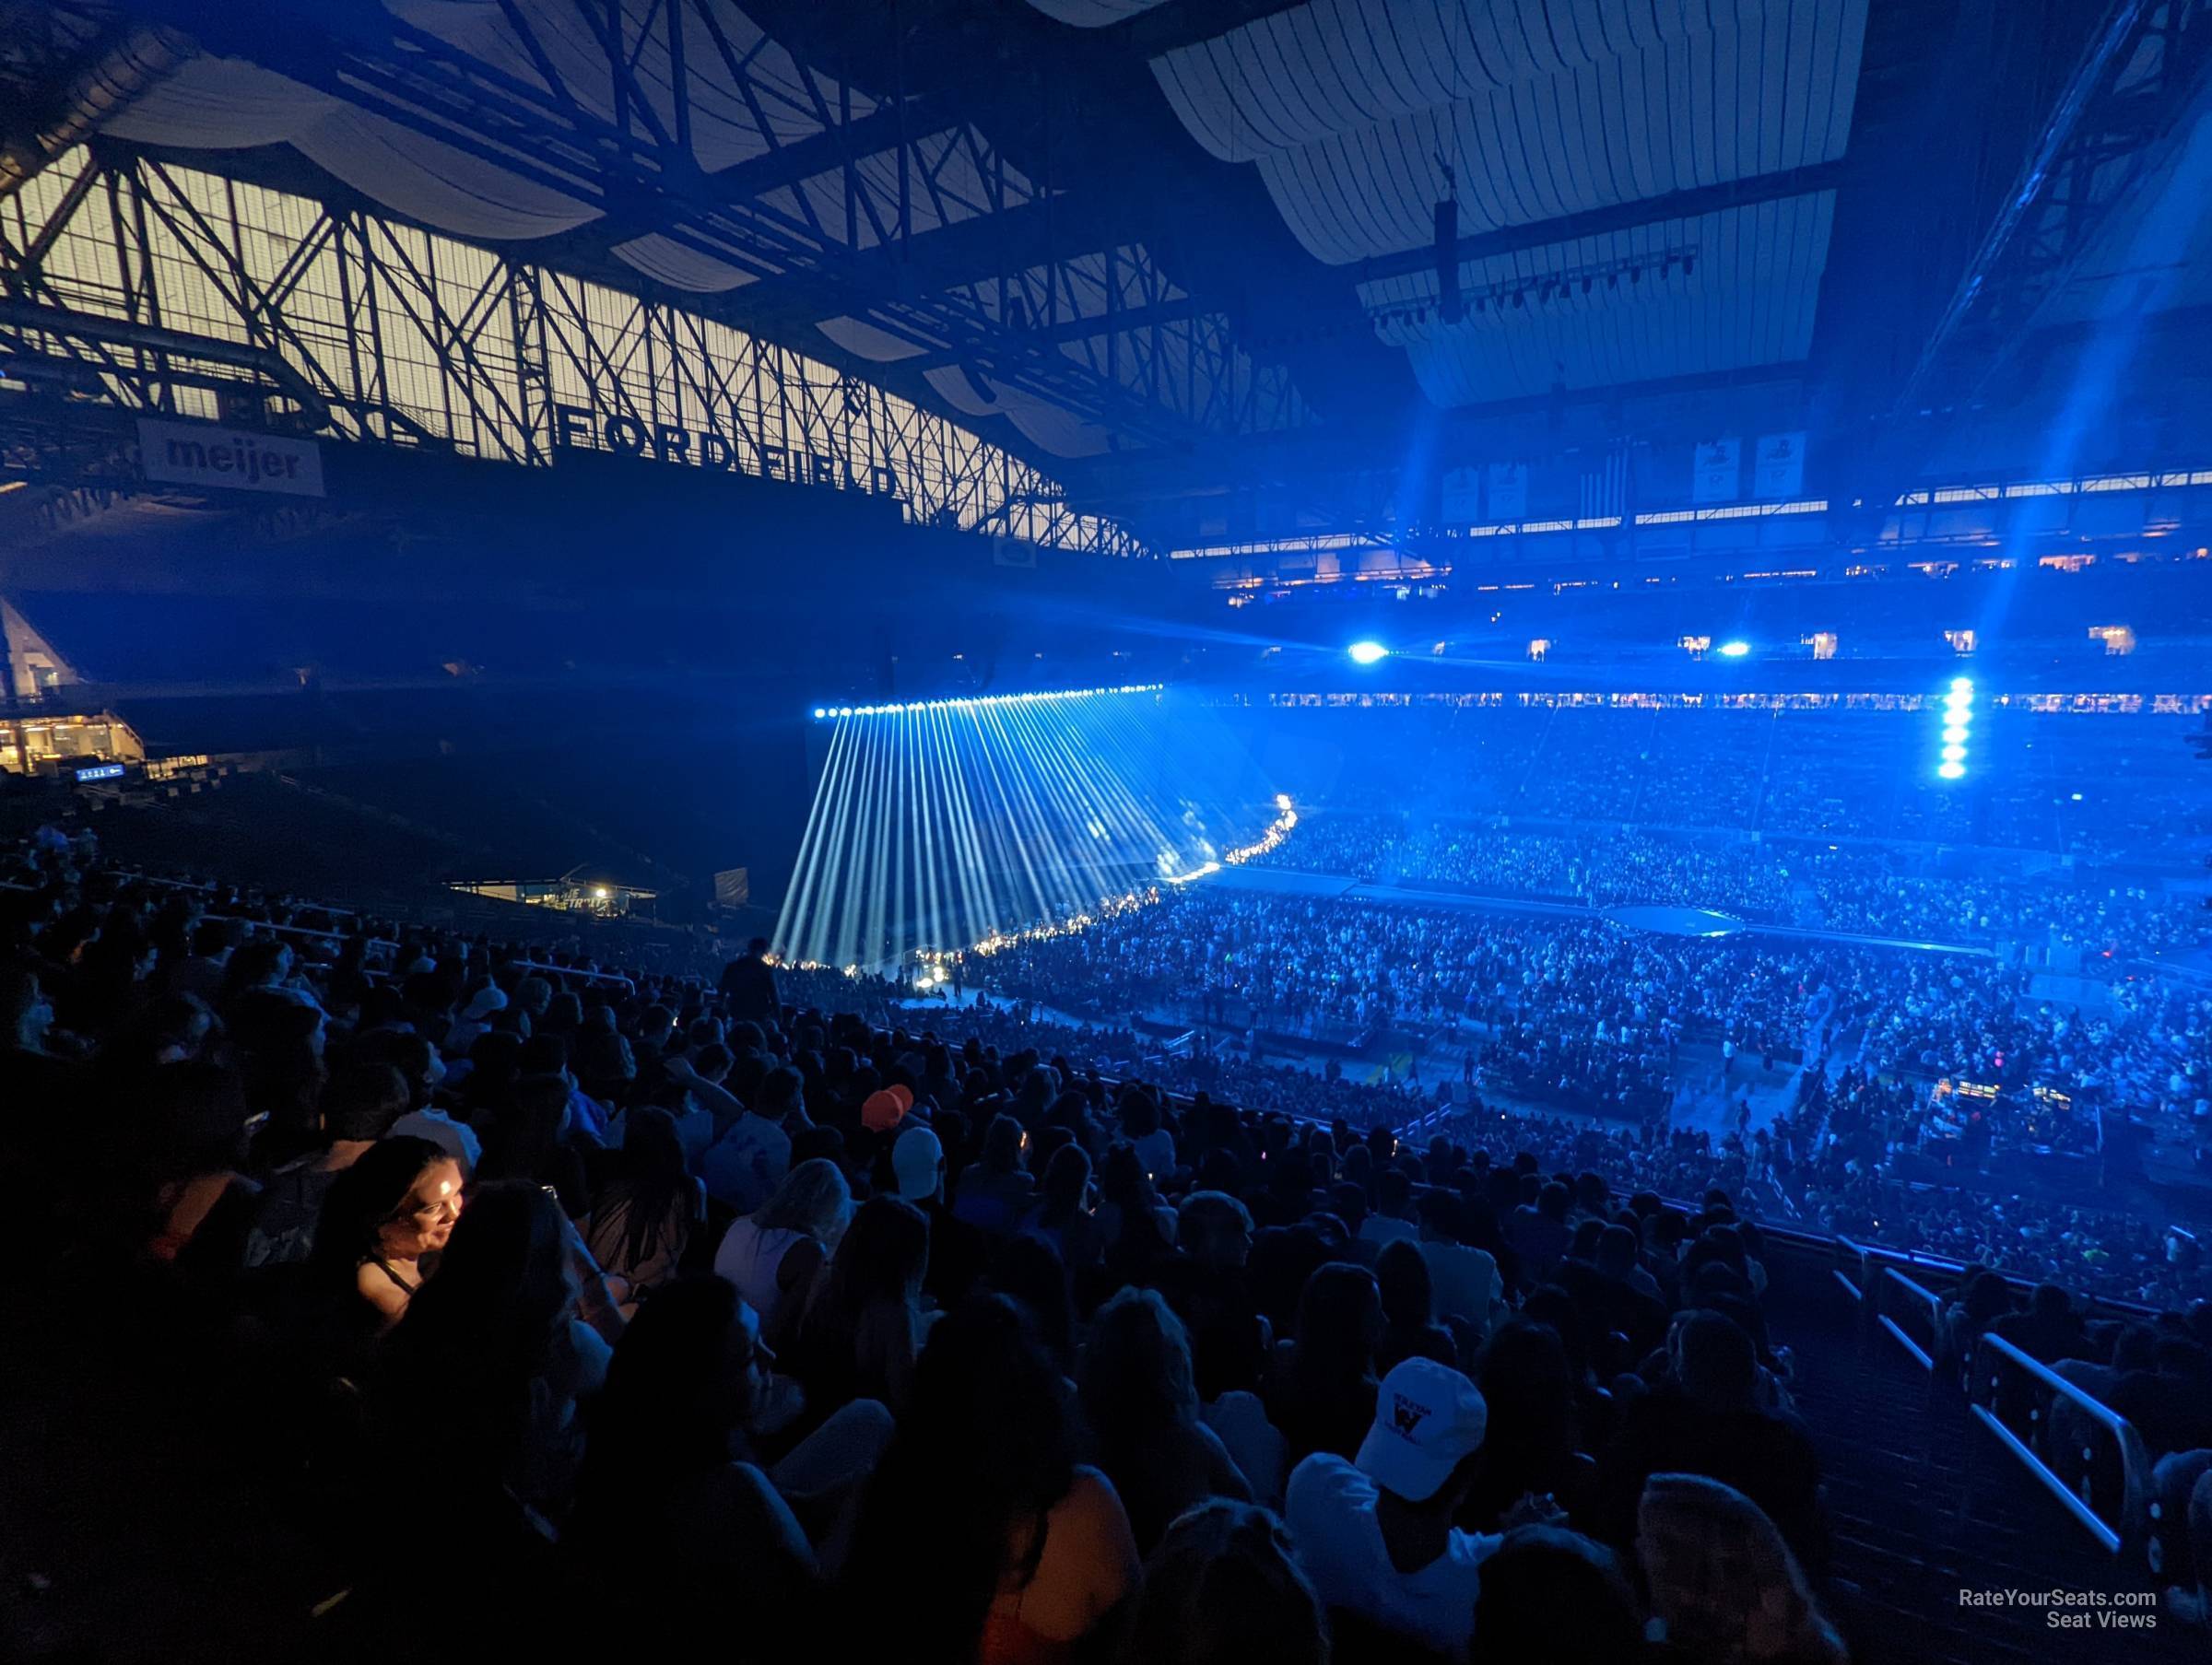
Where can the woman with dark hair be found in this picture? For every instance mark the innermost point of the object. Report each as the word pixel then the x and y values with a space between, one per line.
pixel 1028 1271
pixel 1060 1215
pixel 381 1219
pixel 1402 1275
pixel 1529 1387
pixel 494 1356
pixel 1223 1588
pixel 646 1214
pixel 523 1144
pixel 1323 1395
pixel 1139 1231
pixel 1142 1407
pixel 658 1489
pixel 862 1329
pixel 995 1190
pixel 200 1208
pixel 1027 1553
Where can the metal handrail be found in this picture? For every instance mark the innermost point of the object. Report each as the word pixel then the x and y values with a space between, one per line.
pixel 1927 1298
pixel 2134 1456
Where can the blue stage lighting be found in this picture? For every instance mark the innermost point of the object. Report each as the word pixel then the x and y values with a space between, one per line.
pixel 1952 771
pixel 1368 652
pixel 1733 650
pixel 820 713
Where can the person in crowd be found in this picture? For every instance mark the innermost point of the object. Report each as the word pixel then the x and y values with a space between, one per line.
pixel 1028 1271
pixel 1534 1433
pixel 775 1255
pixel 497 1353
pixel 748 984
pixel 645 1215
pixel 1725 1588
pixel 957 1250
pixel 1029 1552
pixel 1223 1587
pixel 1409 1331
pixel 659 1489
pixel 1462 1280
pixel 386 1218
pixel 996 1191
pixel 1322 1392
pixel 1376 1536
pixel 199 1206
pixel 1704 1418
pixel 524 1144
pixel 2049 1331
pixel 861 1333
pixel 1552 1597
pixel 1061 1213
pixel 749 1160
pixel 360 1107
pixel 1141 1404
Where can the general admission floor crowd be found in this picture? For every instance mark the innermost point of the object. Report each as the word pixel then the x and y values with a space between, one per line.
pixel 543 1309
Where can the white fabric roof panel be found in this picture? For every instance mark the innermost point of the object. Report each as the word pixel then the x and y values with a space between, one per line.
pixel 1695 112
pixel 1335 65
pixel 1747 300
pixel 227 103
pixel 1355 109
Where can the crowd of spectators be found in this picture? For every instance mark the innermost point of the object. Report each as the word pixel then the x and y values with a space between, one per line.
pixel 2100 786
pixel 1857 890
pixel 614 1312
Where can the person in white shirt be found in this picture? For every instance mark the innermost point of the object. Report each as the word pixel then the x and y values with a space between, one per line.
pixel 1464 1281
pixel 1376 1538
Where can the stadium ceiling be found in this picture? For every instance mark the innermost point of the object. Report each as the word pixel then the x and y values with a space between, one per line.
pixel 1172 250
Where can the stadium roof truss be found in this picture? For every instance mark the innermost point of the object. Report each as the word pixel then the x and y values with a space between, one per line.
pixel 160 288
pixel 678 139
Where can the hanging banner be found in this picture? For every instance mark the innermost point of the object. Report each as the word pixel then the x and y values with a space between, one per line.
pixel 1780 469
pixel 1717 474
pixel 1509 493
pixel 1461 504
pixel 202 453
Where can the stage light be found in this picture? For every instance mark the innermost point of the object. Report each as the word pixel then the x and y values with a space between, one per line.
pixel 1368 652
pixel 1733 650
pixel 1957 714
pixel 820 713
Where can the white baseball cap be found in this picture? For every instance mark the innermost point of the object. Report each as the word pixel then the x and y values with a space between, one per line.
pixel 918 1162
pixel 1428 1419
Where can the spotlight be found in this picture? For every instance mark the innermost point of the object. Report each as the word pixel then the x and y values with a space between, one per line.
pixel 1733 650
pixel 1954 754
pixel 1368 652
pixel 1962 684
pixel 820 713
pixel 1953 735
pixel 1952 771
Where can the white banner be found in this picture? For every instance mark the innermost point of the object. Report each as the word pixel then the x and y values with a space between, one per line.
pixel 203 453
pixel 1509 493
pixel 1717 474
pixel 1460 502
pixel 1780 469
